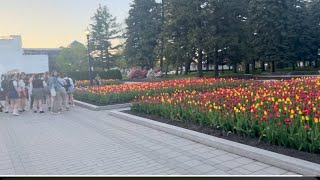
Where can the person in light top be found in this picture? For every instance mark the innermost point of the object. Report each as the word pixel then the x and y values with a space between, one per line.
pixel 22 92
pixel 70 89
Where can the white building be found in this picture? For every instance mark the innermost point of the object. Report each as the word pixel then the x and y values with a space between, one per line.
pixel 12 57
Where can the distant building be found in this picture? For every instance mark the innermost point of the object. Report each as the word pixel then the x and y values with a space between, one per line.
pixel 12 58
pixel 52 54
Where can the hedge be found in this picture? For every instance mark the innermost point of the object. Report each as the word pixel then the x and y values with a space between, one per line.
pixel 84 75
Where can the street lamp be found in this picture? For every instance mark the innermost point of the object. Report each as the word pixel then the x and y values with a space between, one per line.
pixel 89 57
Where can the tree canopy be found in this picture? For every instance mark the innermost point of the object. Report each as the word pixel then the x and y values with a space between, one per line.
pixel 217 32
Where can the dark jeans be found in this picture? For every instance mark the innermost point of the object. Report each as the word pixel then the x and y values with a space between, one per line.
pixel 31 101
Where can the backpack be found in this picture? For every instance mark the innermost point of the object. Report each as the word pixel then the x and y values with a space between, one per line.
pixel 5 85
pixel 11 86
pixel 68 83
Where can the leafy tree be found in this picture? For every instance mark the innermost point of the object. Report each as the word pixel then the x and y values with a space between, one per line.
pixel 143 33
pixel 74 58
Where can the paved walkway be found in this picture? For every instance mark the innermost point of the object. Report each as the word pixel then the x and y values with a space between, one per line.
pixel 84 142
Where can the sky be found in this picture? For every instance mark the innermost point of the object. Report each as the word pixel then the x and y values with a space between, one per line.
pixel 54 23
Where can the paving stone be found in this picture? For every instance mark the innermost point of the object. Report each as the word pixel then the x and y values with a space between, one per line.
pixel 234 172
pixel 231 164
pixel 252 167
pixel 193 163
pixel 292 174
pixel 217 172
pixel 275 170
pixel 243 160
pixel 261 164
pixel 264 173
pixel 182 158
pixel 224 158
pixel 242 171
pixel 205 168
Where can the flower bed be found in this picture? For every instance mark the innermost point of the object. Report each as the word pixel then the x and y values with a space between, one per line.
pixel 105 82
pixel 284 113
pixel 107 95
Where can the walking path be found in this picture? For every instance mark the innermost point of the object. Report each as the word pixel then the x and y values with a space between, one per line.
pixel 84 142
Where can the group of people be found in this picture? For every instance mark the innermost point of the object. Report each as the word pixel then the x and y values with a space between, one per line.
pixel 55 89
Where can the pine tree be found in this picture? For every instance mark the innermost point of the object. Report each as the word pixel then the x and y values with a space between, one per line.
pixel 314 20
pixel 104 29
pixel 269 20
pixel 143 33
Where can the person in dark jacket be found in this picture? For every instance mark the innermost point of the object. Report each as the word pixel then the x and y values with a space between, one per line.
pixel 13 94
pixel 4 86
pixel 38 86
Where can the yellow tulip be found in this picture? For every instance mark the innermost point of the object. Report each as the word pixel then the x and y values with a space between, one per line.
pixel 265 113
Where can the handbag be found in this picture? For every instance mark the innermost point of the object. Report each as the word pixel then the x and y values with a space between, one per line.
pixel 53 92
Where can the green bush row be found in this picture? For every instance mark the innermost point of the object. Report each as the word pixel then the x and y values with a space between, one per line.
pixel 84 75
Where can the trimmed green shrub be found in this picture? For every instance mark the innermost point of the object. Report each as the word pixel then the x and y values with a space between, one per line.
pixel 84 75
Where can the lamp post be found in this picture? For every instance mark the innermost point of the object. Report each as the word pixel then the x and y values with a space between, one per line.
pixel 89 57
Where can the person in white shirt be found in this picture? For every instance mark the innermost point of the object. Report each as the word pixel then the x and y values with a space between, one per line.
pixel 22 92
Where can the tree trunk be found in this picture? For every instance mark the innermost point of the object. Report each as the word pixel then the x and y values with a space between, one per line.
pixel 222 69
pixel 167 68
pixel 235 70
pixel 263 68
pixel 200 72
pixel 293 66
pixel 108 61
pixel 177 70
pixel 253 66
pixel 188 65
pixel 162 36
pixel 273 66
pixel 181 70
pixel 208 63
pixel 216 62
pixel 177 66
pixel 247 68
pixel 304 63
pixel 316 63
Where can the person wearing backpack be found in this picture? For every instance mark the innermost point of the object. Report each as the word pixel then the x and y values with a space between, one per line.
pixel 63 91
pixel 70 89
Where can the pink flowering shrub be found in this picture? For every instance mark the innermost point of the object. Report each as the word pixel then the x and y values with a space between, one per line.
pixel 137 73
